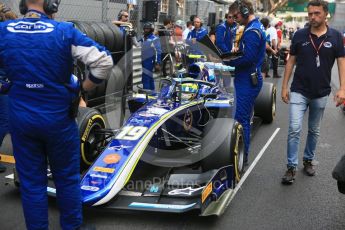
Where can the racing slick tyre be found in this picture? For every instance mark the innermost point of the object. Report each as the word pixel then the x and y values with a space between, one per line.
pixel 265 103
pixel 100 38
pixel 118 38
pixel 85 28
pixel 89 121
pixel 110 38
pixel 223 145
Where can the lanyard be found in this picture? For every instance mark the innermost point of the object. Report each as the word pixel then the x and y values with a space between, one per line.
pixel 317 49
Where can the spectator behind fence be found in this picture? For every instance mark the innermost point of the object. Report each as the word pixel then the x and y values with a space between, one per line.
pixel 123 23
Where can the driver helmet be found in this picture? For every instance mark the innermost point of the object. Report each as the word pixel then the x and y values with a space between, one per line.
pixel 189 91
pixel 150 26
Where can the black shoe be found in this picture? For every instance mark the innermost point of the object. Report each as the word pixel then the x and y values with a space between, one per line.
pixel 2 168
pixel 289 176
pixel 309 168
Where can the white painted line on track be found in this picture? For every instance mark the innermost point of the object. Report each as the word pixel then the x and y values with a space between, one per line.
pixel 11 176
pixel 252 165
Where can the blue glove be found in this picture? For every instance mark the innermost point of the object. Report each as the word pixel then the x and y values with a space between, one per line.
pixel 74 84
pixel 5 86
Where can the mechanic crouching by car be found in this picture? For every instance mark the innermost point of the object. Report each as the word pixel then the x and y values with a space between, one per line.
pixel 5 14
pixel 150 55
pixel 37 55
pixel 248 79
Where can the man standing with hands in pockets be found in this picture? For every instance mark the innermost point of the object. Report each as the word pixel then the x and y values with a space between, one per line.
pixel 313 51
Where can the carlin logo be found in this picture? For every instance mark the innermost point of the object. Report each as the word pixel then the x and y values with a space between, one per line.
pixel 188 120
pixel 112 159
pixel 30 27
pixel 89 188
pixel 327 45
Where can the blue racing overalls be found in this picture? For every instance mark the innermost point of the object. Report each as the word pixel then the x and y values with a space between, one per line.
pixel 253 46
pixel 150 55
pixel 225 36
pixel 3 111
pixel 37 55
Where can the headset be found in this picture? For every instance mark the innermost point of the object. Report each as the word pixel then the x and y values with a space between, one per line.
pixel 120 14
pixel 49 6
pixel 243 9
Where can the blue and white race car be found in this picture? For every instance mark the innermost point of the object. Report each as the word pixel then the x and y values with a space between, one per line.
pixel 179 150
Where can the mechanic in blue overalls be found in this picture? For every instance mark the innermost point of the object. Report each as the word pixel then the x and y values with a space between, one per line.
pixel 226 34
pixel 193 37
pixel 37 55
pixel 248 79
pixel 150 55
pixel 3 111
pixel 5 14
pixel 225 38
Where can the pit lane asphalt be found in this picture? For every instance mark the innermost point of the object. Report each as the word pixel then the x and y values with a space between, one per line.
pixel 261 203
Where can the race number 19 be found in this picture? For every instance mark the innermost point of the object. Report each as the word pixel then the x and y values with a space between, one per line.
pixel 131 133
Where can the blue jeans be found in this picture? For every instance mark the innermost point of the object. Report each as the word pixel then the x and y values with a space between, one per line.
pixel 298 106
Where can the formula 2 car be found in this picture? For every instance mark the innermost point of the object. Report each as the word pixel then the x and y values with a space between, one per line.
pixel 179 150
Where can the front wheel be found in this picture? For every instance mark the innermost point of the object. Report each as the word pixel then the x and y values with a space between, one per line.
pixel 89 122
pixel 223 145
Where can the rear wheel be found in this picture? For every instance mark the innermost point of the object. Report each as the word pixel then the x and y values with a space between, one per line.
pixel 265 103
pixel 89 122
